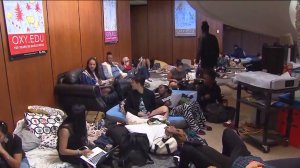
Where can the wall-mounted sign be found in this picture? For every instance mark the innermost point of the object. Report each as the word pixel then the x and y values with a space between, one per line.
pixel 25 28
pixel 185 19
pixel 110 21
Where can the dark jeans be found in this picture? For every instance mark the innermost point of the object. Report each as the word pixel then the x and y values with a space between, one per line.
pixel 204 156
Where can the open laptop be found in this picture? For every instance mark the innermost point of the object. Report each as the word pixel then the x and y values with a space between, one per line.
pixel 98 156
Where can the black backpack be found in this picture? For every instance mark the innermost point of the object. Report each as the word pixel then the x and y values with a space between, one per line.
pixel 137 153
pixel 133 147
pixel 218 113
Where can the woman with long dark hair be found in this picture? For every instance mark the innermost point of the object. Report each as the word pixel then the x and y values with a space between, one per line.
pixel 91 76
pixel 72 136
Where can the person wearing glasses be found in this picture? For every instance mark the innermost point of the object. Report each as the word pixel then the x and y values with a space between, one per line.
pixel 11 152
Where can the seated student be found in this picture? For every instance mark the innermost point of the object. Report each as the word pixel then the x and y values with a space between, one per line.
pixel 126 66
pixel 234 155
pixel 11 152
pixel 209 92
pixel 72 136
pixel 111 69
pixel 163 96
pixel 90 76
pixel 238 52
pixel 141 101
pixel 176 75
pixel 143 68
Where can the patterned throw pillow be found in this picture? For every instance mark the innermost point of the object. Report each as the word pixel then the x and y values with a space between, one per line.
pixel 45 110
pixel 41 124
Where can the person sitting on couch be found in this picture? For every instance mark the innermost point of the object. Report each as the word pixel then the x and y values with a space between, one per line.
pixel 11 152
pixel 90 76
pixel 111 69
pixel 72 136
pixel 176 75
pixel 126 66
pixel 141 101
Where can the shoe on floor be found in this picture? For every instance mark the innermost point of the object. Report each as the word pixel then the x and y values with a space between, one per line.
pixel 208 128
pixel 201 132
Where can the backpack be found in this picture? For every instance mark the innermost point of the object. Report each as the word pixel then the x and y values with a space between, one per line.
pixel 217 113
pixel 137 152
pixel 164 145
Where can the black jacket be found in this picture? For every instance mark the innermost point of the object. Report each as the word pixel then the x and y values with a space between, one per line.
pixel 133 101
pixel 208 51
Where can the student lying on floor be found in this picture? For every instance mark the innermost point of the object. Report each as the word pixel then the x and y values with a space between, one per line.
pixel 234 155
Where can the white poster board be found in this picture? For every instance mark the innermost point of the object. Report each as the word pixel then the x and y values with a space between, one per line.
pixel 185 19
pixel 110 21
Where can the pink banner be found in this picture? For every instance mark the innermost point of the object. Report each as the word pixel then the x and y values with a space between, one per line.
pixel 111 36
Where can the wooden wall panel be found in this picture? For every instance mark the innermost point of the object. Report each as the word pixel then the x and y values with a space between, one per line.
pixel 139 29
pixel 30 80
pixel 157 20
pixel 249 41
pixel 5 110
pixel 123 46
pixel 91 29
pixel 184 48
pixel 124 28
pixel 160 28
pixel 63 19
pixel 231 37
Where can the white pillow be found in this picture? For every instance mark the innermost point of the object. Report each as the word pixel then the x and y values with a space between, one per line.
pixel 41 124
pixel 175 98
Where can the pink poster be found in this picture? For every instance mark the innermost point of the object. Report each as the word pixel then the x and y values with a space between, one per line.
pixel 110 21
pixel 25 28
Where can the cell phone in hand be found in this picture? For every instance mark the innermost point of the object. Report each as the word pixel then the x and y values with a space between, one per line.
pixel 83 148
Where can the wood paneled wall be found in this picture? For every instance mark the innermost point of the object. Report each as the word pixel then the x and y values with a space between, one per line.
pixel 139 29
pixel 5 110
pixel 74 33
pixel 249 41
pixel 153 33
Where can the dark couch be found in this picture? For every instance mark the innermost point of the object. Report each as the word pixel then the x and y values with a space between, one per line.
pixel 69 91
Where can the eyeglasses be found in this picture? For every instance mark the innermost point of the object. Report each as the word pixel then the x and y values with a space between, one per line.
pixel 126 61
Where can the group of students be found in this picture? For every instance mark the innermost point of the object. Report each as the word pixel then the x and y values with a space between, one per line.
pixel 142 102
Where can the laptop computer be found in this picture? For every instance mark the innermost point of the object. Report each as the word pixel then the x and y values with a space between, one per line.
pixel 98 156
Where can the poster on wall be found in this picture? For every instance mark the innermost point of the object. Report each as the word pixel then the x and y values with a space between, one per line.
pixel 185 19
pixel 110 21
pixel 25 28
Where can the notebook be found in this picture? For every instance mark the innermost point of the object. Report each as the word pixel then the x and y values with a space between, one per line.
pixel 97 156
